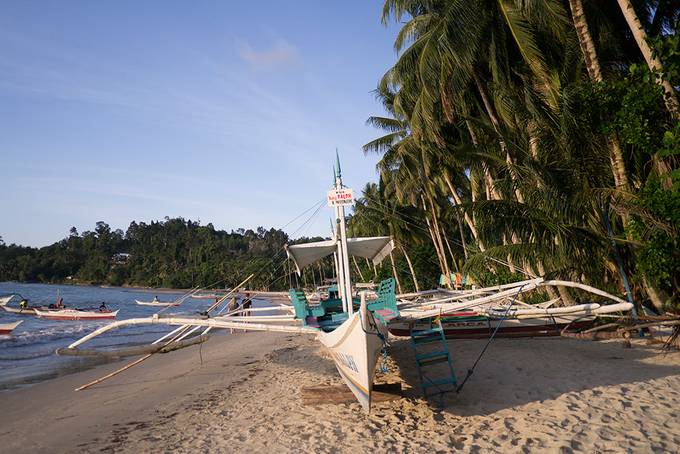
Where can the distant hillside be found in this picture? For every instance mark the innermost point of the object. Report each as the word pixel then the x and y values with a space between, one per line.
pixel 174 253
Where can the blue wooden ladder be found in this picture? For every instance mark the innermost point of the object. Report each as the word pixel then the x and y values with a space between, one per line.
pixel 430 348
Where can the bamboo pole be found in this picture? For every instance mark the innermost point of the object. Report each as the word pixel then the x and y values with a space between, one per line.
pixel 126 367
pixel 178 336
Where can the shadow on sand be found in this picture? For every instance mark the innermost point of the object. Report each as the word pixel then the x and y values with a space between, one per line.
pixel 514 372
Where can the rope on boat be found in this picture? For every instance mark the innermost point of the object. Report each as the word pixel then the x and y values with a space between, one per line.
pixel 471 370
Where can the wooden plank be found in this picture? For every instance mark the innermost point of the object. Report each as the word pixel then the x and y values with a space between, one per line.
pixel 340 394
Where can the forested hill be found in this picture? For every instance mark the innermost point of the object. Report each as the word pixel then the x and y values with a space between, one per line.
pixel 173 253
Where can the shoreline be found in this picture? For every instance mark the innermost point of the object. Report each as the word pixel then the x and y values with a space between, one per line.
pixel 130 287
pixel 241 393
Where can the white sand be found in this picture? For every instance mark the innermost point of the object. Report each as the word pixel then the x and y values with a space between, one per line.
pixel 550 395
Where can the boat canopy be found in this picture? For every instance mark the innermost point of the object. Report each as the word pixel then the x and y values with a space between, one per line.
pixel 373 248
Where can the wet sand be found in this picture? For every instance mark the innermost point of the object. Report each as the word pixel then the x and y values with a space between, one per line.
pixel 553 395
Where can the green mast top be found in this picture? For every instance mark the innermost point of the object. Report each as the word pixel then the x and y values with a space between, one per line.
pixel 338 173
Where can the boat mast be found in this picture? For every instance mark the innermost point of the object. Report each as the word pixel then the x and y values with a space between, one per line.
pixel 343 256
pixel 337 255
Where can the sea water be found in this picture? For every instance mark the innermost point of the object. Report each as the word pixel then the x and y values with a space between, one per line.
pixel 28 355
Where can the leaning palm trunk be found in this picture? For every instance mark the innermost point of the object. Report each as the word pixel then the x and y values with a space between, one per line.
pixel 435 244
pixel 653 62
pixel 593 67
pixel 496 125
pixel 435 228
pixel 356 265
pixel 448 246
pixel 410 267
pixel 551 292
pixel 468 220
pixel 394 272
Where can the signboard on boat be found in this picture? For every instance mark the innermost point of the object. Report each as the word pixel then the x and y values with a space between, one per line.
pixel 340 197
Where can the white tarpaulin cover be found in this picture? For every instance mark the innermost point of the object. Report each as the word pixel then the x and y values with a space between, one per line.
pixel 372 248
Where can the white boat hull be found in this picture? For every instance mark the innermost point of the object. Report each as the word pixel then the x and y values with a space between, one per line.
pixel 355 352
pixel 73 314
pixel 16 310
pixel 156 303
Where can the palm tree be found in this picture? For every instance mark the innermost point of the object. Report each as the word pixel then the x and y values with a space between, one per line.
pixel 652 60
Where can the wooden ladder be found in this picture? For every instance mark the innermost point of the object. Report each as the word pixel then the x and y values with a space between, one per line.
pixel 430 348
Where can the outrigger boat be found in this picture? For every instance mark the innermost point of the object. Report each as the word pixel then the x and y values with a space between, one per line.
pixel 29 310
pixel 75 314
pixel 158 303
pixel 354 329
pixel 7 328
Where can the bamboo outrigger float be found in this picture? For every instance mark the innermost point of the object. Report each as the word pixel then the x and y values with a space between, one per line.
pixel 355 329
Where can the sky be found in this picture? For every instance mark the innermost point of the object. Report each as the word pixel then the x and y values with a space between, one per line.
pixel 223 112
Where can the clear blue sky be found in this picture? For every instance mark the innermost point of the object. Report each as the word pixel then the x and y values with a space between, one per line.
pixel 227 112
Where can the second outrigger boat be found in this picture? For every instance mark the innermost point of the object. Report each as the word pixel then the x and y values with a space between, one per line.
pixel 76 314
pixel 355 329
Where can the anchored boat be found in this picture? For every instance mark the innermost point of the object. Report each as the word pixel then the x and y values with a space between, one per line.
pixel 26 310
pixel 158 303
pixel 75 314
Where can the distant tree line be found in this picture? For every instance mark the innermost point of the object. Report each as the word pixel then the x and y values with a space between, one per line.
pixel 175 253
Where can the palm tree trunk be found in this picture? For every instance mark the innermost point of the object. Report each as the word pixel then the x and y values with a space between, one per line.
pixel 435 244
pixel 511 264
pixel 394 272
pixel 435 227
pixel 593 67
pixel 448 246
pixel 567 300
pixel 462 235
pixel 410 267
pixel 551 292
pixel 654 295
pixel 585 40
pixel 496 124
pixel 653 62
pixel 361 275
pixel 491 193
pixel 470 223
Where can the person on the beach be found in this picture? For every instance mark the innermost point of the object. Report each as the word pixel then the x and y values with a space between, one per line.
pixel 246 304
pixel 231 307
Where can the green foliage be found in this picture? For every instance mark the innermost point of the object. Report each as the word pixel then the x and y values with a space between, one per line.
pixel 659 253
pixel 633 108
pixel 174 253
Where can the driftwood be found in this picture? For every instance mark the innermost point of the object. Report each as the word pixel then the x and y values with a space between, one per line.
pixel 133 351
pixel 340 394
pixel 624 331
pixel 596 335
pixel 601 327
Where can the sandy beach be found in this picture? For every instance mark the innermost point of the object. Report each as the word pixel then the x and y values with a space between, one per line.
pixel 241 393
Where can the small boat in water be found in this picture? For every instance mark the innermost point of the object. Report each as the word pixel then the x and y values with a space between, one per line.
pixel 7 328
pixel 76 314
pixel 157 303
pixel 21 310
pixel 207 296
